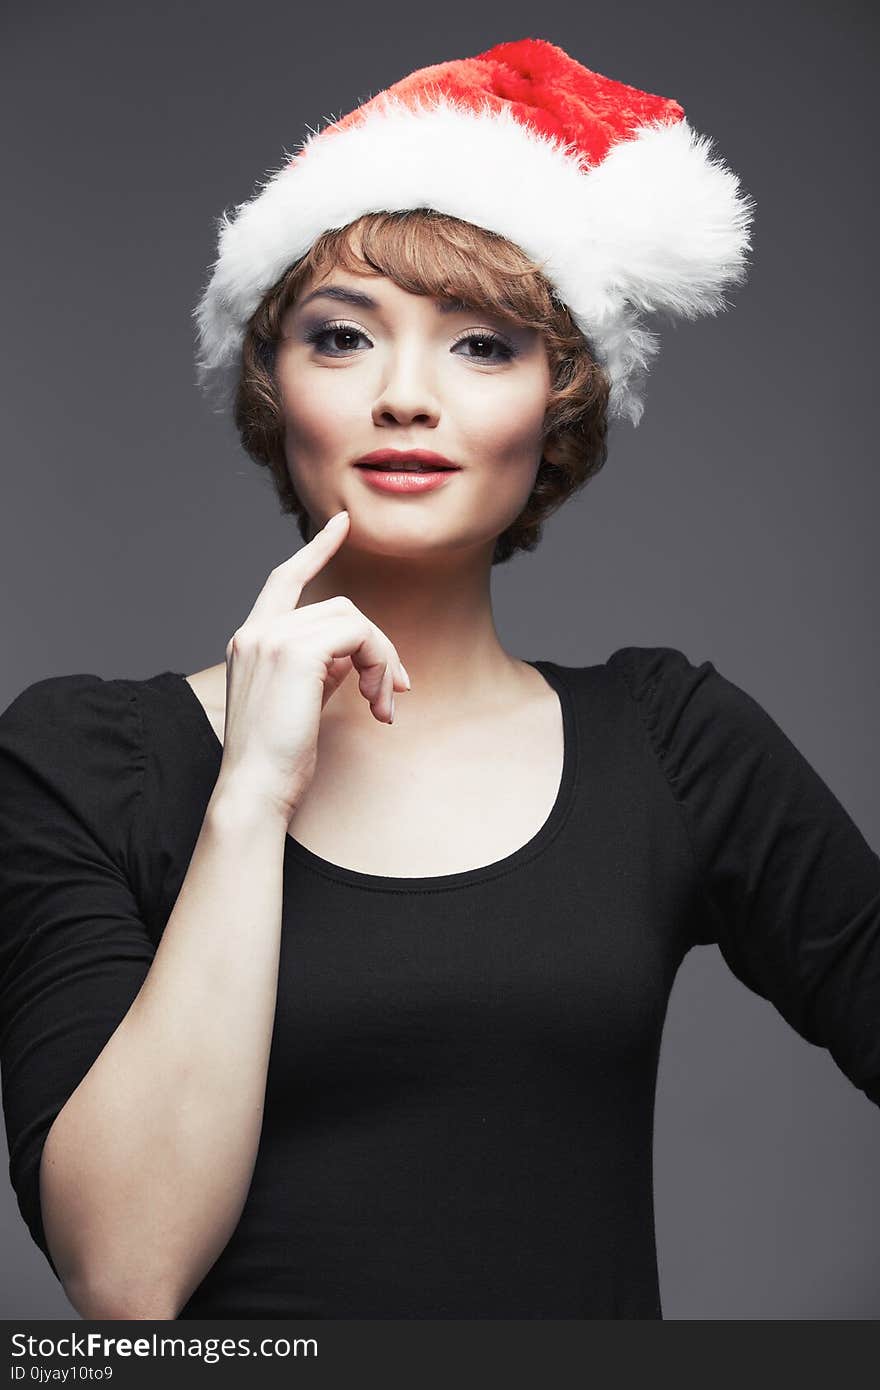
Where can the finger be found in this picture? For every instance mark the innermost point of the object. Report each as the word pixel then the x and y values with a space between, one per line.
pixel 377 676
pixel 316 616
pixel 388 690
pixel 339 670
pixel 348 633
pixel 284 585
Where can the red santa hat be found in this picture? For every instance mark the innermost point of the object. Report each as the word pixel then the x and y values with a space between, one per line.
pixel 606 187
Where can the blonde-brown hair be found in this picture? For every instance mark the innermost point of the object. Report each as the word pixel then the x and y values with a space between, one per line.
pixel 427 252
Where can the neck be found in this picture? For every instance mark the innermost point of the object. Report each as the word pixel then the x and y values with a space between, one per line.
pixel 438 613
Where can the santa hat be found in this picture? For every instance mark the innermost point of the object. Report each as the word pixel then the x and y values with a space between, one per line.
pixel 605 186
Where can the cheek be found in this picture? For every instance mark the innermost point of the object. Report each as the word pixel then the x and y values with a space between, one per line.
pixel 504 428
pixel 317 418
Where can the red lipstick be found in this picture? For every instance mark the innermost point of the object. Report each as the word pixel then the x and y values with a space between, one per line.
pixel 402 458
pixel 406 470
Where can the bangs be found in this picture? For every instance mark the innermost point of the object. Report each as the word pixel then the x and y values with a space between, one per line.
pixel 431 253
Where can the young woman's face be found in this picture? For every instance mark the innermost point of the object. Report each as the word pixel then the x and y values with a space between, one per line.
pixel 364 365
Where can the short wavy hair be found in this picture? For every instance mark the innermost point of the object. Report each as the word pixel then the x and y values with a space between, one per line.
pixel 431 253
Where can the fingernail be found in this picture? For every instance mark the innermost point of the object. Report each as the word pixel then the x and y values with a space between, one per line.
pixel 405 674
pixel 391 720
pixel 338 516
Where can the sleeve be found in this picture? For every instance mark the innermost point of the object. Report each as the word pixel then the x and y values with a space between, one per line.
pixel 74 950
pixel 791 887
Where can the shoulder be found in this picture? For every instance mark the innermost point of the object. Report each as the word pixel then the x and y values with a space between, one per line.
pixel 665 681
pixel 60 712
pixel 698 718
pixel 645 669
pixel 666 686
pixel 67 697
pixel 72 744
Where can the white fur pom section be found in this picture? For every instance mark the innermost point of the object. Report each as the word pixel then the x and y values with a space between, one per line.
pixel 657 225
pixel 672 221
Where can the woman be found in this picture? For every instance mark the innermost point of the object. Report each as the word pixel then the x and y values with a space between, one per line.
pixel 308 1016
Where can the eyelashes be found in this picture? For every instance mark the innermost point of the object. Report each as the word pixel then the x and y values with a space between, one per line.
pixel 321 333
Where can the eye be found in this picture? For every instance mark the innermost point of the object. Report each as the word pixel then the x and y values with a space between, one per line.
pixel 488 343
pixel 322 332
pixel 330 338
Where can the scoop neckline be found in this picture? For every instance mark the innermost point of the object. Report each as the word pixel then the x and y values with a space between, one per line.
pixel 432 883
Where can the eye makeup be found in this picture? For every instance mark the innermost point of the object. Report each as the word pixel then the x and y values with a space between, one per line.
pixel 319 334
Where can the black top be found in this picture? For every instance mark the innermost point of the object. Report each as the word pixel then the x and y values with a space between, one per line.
pixel 459 1104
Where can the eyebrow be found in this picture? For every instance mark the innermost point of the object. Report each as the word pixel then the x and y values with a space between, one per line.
pixel 359 300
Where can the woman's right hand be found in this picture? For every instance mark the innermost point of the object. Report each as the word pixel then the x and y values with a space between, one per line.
pixel 282 666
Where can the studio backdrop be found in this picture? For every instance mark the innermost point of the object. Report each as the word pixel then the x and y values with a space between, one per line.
pixel 736 522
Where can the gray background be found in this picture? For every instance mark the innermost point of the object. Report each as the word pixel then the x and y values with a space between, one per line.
pixel 737 522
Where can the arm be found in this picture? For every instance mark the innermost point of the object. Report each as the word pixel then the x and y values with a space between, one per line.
pixel 791 887
pixel 134 1068
pixel 146 1169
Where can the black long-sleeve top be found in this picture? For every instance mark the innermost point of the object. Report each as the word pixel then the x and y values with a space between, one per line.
pixel 459 1103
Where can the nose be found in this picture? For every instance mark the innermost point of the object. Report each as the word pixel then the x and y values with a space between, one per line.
pixel 405 395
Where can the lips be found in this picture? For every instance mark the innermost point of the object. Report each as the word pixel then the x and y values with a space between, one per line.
pixel 406 461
